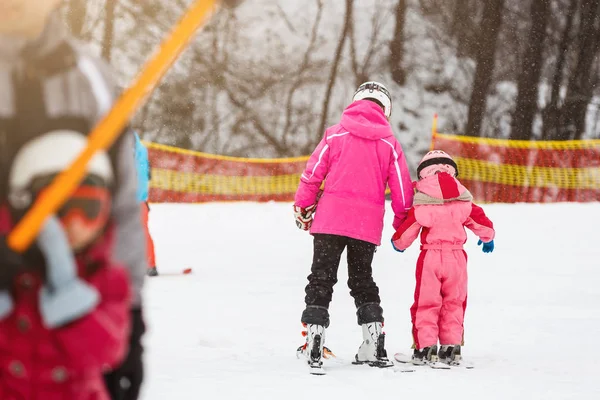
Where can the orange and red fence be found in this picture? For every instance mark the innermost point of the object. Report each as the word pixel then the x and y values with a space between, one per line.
pixel 509 171
pixel 494 170
pixel 184 176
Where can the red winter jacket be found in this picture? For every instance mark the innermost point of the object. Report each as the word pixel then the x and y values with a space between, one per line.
pixel 66 363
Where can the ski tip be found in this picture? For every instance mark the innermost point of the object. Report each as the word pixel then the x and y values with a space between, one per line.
pixel 317 372
pixel 403 358
pixel 402 370
pixel 187 271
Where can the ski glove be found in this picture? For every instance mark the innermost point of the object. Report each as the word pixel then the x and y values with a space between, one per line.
pixel 125 382
pixel 487 247
pixel 395 248
pixel 304 216
pixel 10 263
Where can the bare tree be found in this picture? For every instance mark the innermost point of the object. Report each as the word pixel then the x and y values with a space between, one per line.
pixel 551 113
pixel 464 26
pixel 76 15
pixel 580 89
pixel 486 56
pixel 397 45
pixel 334 67
pixel 109 28
pixel 529 76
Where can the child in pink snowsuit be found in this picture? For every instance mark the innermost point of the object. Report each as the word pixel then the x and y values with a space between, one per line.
pixel 357 159
pixel 442 208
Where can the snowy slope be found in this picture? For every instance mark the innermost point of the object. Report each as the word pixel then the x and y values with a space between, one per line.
pixel 230 330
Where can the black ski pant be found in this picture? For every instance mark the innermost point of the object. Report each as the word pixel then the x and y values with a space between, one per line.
pixel 326 259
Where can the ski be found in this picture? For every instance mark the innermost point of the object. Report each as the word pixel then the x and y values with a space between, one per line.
pixel 460 363
pixel 186 271
pixel 407 359
pixel 402 369
pixel 376 364
pixel 316 368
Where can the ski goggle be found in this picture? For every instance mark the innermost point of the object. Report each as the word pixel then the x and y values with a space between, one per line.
pixel 90 203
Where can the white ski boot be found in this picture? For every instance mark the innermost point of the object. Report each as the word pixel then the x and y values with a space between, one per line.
pixel 372 350
pixel 313 349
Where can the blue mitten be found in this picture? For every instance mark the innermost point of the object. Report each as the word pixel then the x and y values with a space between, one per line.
pixel 487 247
pixel 395 248
pixel 64 297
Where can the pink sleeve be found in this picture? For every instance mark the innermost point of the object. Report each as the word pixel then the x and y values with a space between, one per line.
pixel 313 176
pixel 480 224
pixel 400 185
pixel 100 339
pixel 407 232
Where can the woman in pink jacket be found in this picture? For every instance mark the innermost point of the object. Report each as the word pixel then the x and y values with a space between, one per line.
pixel 357 158
pixel 442 208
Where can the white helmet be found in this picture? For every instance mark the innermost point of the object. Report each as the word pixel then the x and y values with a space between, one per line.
pixel 375 90
pixel 48 155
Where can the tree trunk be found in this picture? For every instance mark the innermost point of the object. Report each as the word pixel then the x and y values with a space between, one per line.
pixel 529 77
pixel 76 13
pixel 580 89
pixel 551 112
pixel 397 45
pixel 334 67
pixel 463 26
pixel 109 29
pixel 486 56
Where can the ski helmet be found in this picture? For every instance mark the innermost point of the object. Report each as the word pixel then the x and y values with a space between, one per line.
pixel 376 91
pixel 85 214
pixel 436 161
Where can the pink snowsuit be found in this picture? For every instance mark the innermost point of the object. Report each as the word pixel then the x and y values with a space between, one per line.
pixel 357 158
pixel 442 208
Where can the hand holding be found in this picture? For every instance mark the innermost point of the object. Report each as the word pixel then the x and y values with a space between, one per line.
pixel 395 248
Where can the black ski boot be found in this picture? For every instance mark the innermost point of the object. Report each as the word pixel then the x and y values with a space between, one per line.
pixel 425 355
pixel 450 354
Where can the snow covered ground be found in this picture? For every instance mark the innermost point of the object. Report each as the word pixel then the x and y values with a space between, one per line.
pixel 230 330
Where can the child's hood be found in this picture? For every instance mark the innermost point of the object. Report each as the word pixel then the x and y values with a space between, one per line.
pixel 440 188
pixel 366 119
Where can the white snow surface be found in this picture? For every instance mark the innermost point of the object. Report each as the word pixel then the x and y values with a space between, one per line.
pixel 230 329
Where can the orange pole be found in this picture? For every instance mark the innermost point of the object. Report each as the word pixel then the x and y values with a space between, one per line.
pixel 433 131
pixel 111 126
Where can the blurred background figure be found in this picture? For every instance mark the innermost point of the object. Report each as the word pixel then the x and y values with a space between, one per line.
pixel 143 174
pixel 66 295
pixel 50 83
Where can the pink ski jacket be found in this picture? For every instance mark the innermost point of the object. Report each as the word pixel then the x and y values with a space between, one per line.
pixel 356 158
pixel 66 363
pixel 443 208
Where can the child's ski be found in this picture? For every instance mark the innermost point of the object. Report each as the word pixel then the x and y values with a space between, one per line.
pixel 406 359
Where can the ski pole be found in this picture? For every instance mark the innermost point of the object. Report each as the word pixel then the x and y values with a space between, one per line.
pixel 112 125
